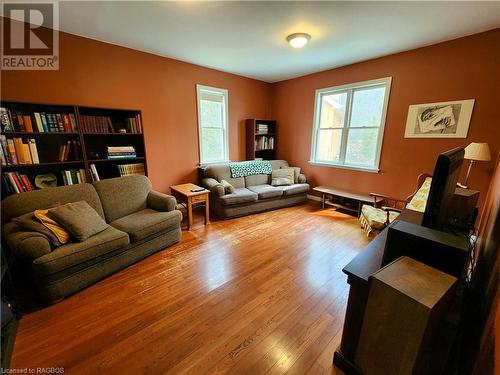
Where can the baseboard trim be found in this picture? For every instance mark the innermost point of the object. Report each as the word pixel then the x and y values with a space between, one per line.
pixel 313 198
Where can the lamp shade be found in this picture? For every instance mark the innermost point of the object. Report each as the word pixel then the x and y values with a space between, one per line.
pixel 477 151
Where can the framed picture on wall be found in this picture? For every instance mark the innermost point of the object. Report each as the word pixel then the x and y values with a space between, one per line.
pixel 439 120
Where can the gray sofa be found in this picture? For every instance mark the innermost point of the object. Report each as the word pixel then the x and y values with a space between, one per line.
pixel 252 193
pixel 141 221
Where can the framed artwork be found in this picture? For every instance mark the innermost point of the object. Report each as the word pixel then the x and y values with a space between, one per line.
pixel 439 120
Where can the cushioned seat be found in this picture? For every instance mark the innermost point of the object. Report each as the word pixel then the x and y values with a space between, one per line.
pixel 240 195
pixel 294 189
pixel 375 217
pixel 266 191
pixel 147 222
pixel 75 253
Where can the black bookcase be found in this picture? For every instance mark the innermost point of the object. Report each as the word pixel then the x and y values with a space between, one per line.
pixel 92 137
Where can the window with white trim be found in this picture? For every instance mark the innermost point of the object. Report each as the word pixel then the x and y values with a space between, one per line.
pixel 212 124
pixel 348 124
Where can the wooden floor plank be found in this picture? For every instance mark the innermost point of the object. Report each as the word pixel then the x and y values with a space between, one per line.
pixel 259 294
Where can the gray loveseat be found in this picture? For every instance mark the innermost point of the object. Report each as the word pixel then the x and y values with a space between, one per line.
pixel 141 221
pixel 252 193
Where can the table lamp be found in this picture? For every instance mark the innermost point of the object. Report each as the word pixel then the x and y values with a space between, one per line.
pixel 476 152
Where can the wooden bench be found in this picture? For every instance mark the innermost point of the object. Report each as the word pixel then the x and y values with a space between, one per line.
pixel 328 191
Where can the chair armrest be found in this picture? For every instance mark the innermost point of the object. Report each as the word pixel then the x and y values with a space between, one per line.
pixel 301 179
pixel 24 245
pixel 161 202
pixel 388 209
pixel 214 186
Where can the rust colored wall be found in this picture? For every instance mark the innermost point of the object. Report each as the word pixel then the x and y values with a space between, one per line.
pixel 104 75
pixel 464 68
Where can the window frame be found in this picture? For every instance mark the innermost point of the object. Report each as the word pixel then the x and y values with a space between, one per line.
pixel 225 124
pixel 349 89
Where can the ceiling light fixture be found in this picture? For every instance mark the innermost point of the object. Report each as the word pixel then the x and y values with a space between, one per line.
pixel 298 40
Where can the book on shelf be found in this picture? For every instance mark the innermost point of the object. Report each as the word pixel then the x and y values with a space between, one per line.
pixel 14 182
pixel 73 176
pixel 131 169
pixel 93 173
pixel 96 124
pixel 14 151
pixel 70 150
pixel 120 152
pixel 134 125
pixel 264 143
pixel 42 122
pixel 262 129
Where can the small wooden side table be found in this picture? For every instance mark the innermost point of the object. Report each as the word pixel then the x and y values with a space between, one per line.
pixel 184 195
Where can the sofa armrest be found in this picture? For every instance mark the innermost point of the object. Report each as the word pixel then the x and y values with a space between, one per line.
pixel 301 179
pixel 214 186
pixel 161 202
pixel 25 245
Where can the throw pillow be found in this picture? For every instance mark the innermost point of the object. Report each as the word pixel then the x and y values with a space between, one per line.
pixel 296 173
pixel 228 188
pixel 31 223
pixel 81 220
pixel 282 177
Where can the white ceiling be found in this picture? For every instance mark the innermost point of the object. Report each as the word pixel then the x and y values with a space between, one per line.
pixel 248 38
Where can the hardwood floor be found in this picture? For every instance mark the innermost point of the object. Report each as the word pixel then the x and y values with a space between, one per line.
pixel 262 294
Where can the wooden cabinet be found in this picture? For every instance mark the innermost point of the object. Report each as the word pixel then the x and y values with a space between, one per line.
pixel 261 139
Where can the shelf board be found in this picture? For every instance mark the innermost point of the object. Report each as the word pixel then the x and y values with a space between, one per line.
pixel 265 149
pixel 113 134
pixel 261 134
pixel 115 160
pixel 23 134
pixel 15 166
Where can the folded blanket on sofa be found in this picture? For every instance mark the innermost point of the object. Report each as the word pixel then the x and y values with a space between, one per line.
pixel 247 168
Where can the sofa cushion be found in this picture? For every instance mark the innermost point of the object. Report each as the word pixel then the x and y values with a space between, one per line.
pixel 282 177
pixel 122 196
pixel 76 253
pixel 240 195
pixel 296 173
pixel 81 220
pixel 257 179
pixel 228 188
pixel 142 224
pixel 294 189
pixel 266 191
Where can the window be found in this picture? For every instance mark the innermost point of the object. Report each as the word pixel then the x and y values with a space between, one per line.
pixel 212 124
pixel 349 125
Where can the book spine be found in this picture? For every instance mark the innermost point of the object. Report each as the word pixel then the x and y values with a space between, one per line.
pixel 45 123
pixel 12 151
pixel 13 182
pixel 33 151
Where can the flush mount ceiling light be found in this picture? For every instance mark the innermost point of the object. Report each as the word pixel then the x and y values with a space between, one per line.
pixel 298 40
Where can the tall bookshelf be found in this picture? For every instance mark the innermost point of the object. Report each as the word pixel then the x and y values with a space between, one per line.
pixel 261 138
pixel 92 133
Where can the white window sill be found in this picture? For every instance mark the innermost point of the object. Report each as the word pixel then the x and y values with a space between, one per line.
pixel 214 162
pixel 343 166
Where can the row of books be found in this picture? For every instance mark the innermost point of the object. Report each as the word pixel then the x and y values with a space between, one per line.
pixel 134 124
pixel 262 129
pixel 70 150
pixel 104 124
pixel 74 176
pixel 120 152
pixel 264 143
pixel 13 182
pixel 131 169
pixel 41 122
pixel 14 151
pixel 96 124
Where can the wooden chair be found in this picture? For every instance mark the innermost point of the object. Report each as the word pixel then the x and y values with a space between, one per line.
pixel 382 213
